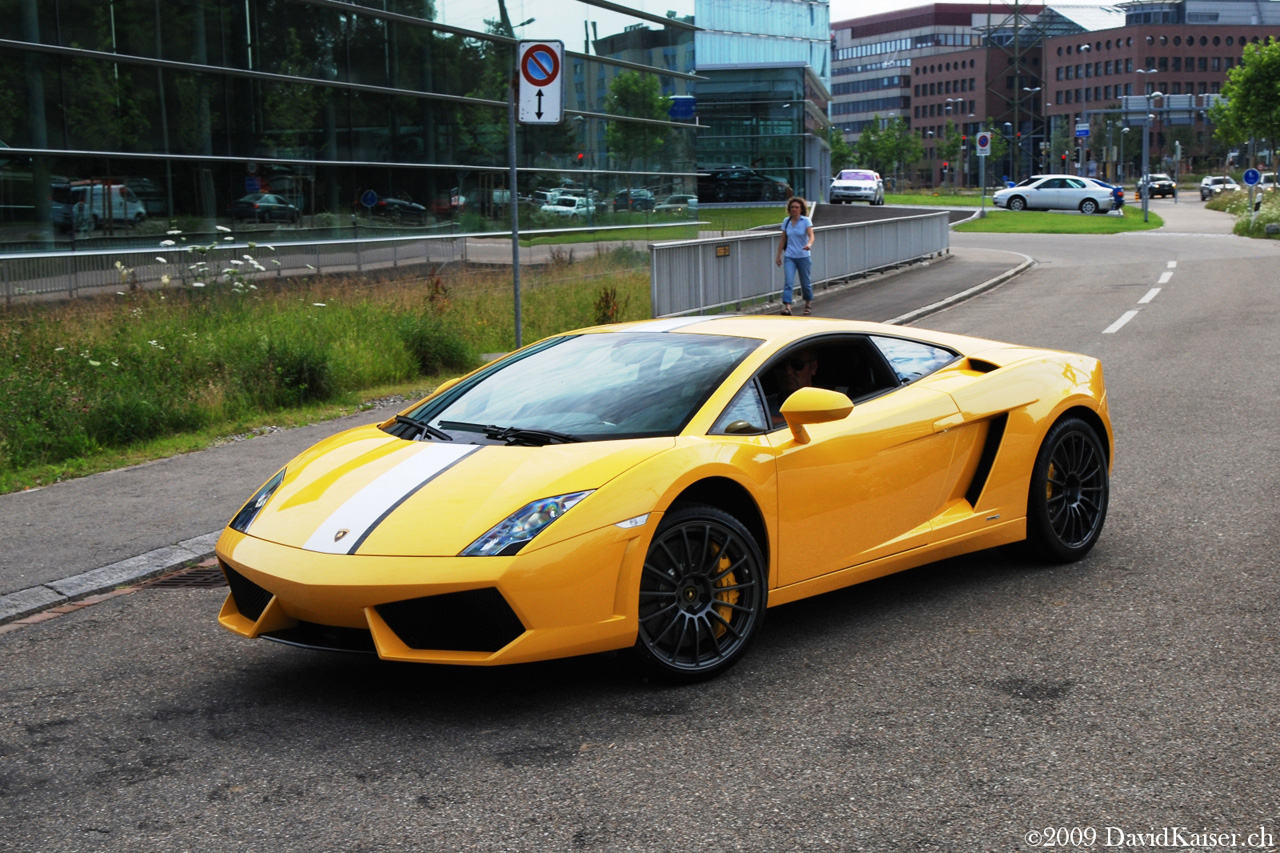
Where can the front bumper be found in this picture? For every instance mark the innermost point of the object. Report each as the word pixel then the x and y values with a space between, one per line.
pixel 569 598
pixel 852 194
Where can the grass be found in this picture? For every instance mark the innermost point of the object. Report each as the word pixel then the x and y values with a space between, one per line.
pixel 1247 225
pixel 99 383
pixel 942 198
pixel 1001 221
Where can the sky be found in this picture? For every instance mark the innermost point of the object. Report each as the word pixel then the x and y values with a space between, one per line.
pixel 843 10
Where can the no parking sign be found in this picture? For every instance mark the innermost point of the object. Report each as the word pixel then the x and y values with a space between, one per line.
pixel 984 144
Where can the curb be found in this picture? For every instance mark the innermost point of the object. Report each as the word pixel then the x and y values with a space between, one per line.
pixel 25 602
pixel 955 299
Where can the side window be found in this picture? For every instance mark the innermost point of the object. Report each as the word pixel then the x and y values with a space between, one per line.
pixel 745 415
pixel 913 359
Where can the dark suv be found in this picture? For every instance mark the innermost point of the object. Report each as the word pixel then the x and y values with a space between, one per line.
pixel 1158 184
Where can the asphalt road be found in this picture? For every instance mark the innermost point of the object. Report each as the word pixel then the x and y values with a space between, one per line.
pixel 969 705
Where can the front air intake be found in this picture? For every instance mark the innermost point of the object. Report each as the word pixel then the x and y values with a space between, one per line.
pixel 477 620
pixel 250 598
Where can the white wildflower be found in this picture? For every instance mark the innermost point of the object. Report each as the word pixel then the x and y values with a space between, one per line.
pixel 318 304
pixel 167 243
pixel 197 284
pixel 162 260
pixel 93 363
pixel 228 239
pixel 223 228
pixel 174 231
pixel 237 263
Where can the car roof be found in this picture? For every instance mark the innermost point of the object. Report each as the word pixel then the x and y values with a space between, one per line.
pixel 782 331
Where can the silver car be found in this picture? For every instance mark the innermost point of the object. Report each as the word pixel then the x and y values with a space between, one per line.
pixel 856 185
pixel 1056 192
pixel 1214 184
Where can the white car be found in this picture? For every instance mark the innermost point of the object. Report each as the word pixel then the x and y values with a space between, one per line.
pixel 1214 184
pixel 1056 192
pixel 571 206
pixel 856 185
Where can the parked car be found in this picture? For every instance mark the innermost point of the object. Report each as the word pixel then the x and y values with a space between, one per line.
pixel 264 207
pixel 1117 192
pixel 856 185
pixel 571 206
pixel 1214 184
pixel 1159 184
pixel 678 204
pixel 86 205
pixel 1057 192
pixel 650 487
pixel 741 184
pixel 399 209
pixel 634 199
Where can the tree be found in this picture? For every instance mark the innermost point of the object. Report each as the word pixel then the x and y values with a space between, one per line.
pixel 842 155
pixel 633 95
pixel 886 149
pixel 1250 105
pixel 949 147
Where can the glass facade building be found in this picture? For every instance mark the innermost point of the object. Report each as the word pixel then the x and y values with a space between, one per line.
pixel 193 104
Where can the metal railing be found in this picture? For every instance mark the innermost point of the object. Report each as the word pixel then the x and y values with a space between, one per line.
pixel 701 275
pixel 71 274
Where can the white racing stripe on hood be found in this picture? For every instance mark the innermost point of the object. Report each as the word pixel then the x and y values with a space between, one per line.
pixel 364 510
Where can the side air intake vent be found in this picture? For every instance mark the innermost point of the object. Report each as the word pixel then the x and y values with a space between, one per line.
pixel 250 598
pixel 477 620
pixel 982 366
pixel 995 433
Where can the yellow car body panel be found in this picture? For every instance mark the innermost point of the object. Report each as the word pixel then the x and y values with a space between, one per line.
pixel 934 468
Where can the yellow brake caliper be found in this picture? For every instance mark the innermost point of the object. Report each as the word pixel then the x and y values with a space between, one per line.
pixel 726 598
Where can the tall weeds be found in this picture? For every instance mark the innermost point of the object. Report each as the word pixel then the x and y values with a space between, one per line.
pixel 104 373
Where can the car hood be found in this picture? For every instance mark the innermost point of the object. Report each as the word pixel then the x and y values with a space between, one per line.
pixel 364 491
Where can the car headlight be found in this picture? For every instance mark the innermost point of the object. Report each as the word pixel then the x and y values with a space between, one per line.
pixel 516 530
pixel 250 511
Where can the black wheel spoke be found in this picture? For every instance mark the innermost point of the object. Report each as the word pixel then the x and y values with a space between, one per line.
pixel 701 593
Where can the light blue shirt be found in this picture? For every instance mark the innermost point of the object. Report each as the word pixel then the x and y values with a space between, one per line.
pixel 797 236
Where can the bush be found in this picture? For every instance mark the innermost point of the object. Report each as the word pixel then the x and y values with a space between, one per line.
pixel 434 346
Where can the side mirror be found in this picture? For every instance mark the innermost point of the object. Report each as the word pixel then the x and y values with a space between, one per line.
pixel 814 406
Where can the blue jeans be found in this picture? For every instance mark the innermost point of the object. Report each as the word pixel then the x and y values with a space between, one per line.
pixel 791 266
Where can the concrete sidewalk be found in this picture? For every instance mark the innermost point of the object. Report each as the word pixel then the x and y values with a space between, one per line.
pixel 70 540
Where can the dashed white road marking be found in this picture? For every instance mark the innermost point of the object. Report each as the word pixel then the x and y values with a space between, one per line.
pixel 1164 277
pixel 1151 294
pixel 1119 324
pixel 1173 264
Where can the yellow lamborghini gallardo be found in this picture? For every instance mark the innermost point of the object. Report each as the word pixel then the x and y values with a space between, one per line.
pixel 656 486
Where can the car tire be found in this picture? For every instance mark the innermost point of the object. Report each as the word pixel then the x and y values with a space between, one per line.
pixel 722 193
pixel 1088 207
pixel 1017 203
pixel 1069 492
pixel 702 597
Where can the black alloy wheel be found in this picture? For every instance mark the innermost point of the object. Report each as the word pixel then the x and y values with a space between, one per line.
pixel 1070 488
pixel 703 594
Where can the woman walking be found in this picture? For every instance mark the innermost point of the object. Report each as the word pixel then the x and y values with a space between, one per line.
pixel 797 240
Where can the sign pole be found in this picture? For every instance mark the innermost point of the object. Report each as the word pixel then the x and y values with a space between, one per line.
pixel 512 197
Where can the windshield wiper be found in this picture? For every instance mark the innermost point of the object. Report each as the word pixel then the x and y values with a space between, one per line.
pixel 514 435
pixel 424 427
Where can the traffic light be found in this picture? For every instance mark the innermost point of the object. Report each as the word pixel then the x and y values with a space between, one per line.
pixel 581 158
pixel 1064 162
pixel 944 165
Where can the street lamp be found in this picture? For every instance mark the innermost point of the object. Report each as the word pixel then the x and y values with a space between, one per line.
pixel 930 134
pixel 1124 131
pixel 1031 90
pixel 1008 139
pixel 1147 122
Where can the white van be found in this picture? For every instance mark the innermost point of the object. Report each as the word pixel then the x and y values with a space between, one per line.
pixel 86 205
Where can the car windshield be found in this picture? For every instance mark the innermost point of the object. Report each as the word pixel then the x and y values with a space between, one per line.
pixel 855 175
pixel 591 387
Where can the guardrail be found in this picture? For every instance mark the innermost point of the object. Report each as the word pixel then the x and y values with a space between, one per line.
pixel 69 274
pixel 700 275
